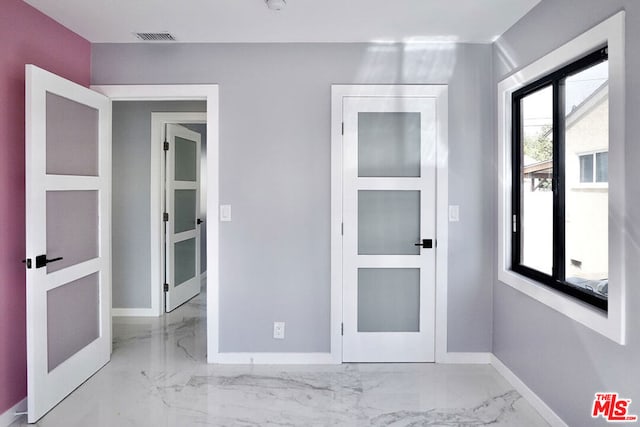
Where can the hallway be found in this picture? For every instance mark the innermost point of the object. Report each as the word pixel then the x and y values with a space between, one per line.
pixel 158 376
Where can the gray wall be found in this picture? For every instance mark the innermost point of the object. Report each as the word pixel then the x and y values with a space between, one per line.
pixel 562 361
pixel 275 172
pixel 131 198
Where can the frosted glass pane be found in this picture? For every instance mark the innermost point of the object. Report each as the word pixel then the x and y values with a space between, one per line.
pixel 72 137
pixel 388 300
pixel 185 261
pixel 72 227
pixel 389 144
pixel 388 222
pixel 185 160
pixel 72 318
pixel 185 210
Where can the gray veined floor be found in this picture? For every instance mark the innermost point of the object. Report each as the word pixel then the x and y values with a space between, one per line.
pixel 158 377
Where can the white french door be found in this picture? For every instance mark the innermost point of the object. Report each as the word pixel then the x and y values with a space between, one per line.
pixel 389 220
pixel 182 225
pixel 68 237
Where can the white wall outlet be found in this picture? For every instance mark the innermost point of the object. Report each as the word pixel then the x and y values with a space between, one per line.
pixel 278 330
pixel 225 213
pixel 454 213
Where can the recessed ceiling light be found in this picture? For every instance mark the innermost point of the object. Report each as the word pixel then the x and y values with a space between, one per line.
pixel 275 4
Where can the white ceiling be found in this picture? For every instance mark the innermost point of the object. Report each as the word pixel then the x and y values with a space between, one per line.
pixel 101 21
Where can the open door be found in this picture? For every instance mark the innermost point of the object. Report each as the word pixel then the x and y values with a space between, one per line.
pixel 68 237
pixel 182 225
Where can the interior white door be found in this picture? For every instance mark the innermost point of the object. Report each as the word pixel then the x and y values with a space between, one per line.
pixel 68 237
pixel 389 206
pixel 182 225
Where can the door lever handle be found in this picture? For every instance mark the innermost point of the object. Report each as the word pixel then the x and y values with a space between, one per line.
pixel 41 260
pixel 426 244
pixel 199 221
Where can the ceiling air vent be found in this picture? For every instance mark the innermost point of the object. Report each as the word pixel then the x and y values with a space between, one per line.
pixel 156 37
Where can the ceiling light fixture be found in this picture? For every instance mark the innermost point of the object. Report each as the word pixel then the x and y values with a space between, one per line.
pixel 275 4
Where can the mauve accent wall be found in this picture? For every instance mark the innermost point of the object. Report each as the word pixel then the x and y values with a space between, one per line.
pixel 26 37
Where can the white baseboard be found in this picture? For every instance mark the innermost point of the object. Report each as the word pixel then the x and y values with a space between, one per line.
pixel 465 358
pixel 9 416
pixel 538 404
pixel 133 312
pixel 274 359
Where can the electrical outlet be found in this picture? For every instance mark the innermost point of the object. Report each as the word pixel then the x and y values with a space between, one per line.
pixel 278 330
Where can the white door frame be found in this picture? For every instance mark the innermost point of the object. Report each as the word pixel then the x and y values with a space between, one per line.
pixel 208 93
pixel 440 93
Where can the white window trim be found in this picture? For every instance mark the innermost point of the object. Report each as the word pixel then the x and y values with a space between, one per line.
pixel 611 324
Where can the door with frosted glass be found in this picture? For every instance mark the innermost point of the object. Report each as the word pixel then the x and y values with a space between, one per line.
pixel 68 237
pixel 389 196
pixel 182 225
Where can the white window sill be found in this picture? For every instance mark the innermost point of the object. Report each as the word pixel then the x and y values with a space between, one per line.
pixel 573 308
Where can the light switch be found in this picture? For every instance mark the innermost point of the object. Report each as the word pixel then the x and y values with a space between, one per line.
pixel 225 213
pixel 454 213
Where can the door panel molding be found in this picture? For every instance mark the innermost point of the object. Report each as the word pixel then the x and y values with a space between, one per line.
pixel 440 94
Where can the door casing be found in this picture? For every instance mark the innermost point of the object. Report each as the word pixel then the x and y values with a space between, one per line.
pixel 209 94
pixel 440 94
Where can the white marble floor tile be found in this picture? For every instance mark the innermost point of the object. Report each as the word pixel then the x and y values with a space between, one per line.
pixel 158 376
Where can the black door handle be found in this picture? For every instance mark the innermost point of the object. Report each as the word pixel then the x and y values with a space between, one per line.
pixel 426 243
pixel 199 221
pixel 41 260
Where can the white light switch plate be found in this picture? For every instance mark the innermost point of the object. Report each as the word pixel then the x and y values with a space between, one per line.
pixel 225 213
pixel 454 213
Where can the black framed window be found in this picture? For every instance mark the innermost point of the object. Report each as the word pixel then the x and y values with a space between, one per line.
pixel 560 144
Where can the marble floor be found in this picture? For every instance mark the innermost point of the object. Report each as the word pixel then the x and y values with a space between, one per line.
pixel 158 377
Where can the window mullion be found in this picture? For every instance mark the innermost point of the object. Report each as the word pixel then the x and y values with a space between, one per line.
pixel 558 180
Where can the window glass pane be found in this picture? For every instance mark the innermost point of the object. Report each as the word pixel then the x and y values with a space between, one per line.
pixel 586 207
pixel 186 163
pixel 586 168
pixel 602 167
pixel 536 176
pixel 388 300
pixel 388 144
pixel 73 322
pixel 185 261
pixel 185 210
pixel 72 137
pixel 388 222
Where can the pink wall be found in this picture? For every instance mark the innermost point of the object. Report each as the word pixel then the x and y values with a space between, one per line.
pixel 26 37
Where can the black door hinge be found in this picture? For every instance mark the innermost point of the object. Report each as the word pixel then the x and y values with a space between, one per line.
pixel 165 217
pixel 342 329
pixel 166 146
pixel 343 128
pixel 166 287
pixel 27 262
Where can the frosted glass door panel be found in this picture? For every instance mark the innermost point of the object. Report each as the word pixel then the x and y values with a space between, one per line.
pixel 185 261
pixel 388 144
pixel 388 300
pixel 186 157
pixel 72 137
pixel 185 211
pixel 388 222
pixel 73 314
pixel 72 227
